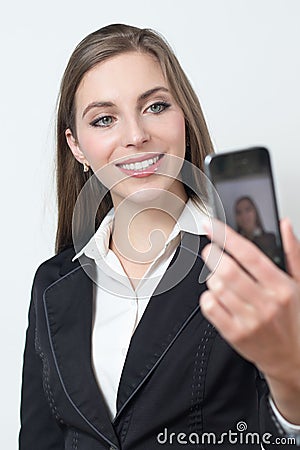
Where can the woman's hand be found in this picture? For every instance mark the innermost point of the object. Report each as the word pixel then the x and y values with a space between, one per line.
pixel 256 307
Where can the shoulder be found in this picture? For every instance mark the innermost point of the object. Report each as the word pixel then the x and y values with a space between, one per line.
pixel 53 268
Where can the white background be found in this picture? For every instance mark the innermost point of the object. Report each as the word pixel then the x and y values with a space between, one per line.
pixel 242 57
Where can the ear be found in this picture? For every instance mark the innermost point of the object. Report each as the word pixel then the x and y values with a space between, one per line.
pixel 74 147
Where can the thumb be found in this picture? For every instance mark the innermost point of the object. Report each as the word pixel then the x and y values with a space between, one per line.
pixel 291 247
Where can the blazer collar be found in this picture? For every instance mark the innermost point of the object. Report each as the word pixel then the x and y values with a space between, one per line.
pixel 68 263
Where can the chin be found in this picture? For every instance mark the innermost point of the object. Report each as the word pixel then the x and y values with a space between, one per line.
pixel 146 195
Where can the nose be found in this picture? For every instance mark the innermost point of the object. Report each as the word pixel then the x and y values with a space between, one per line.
pixel 135 133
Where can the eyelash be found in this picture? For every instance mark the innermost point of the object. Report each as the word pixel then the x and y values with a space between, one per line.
pixel 95 122
pixel 164 105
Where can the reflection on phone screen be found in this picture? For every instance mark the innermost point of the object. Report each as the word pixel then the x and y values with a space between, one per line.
pixel 247 195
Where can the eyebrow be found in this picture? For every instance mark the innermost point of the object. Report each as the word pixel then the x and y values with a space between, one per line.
pixel 143 96
pixel 152 91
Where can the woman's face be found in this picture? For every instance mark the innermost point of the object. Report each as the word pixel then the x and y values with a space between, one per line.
pixel 245 216
pixel 125 113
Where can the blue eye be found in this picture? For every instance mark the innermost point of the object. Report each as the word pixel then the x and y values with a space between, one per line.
pixel 158 107
pixel 103 122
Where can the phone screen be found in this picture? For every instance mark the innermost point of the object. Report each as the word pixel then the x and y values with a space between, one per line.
pixel 244 183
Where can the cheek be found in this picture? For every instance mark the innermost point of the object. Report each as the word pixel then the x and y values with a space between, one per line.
pixel 174 133
pixel 239 220
pixel 97 149
pixel 179 133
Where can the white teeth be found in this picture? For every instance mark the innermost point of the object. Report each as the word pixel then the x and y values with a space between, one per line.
pixel 140 165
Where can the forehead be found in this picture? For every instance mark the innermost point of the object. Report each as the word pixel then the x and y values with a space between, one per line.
pixel 244 203
pixel 123 76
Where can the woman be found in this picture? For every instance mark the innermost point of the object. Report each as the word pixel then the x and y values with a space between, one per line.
pixel 249 224
pixel 118 353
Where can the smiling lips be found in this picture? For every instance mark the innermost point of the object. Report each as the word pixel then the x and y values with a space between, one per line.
pixel 142 168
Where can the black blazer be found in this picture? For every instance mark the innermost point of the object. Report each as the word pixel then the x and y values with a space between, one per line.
pixel 180 376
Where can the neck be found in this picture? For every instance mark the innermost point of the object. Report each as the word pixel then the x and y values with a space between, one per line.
pixel 141 230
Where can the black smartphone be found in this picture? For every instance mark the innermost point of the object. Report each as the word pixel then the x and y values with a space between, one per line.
pixel 243 181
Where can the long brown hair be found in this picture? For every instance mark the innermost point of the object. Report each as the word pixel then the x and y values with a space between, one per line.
pixel 93 49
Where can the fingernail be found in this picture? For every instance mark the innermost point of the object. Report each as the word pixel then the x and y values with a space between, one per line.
pixel 206 303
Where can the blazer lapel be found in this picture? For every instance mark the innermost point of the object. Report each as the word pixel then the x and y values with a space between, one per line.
pixel 68 305
pixel 168 312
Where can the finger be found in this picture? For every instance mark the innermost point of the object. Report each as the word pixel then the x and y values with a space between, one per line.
pixel 291 247
pixel 232 302
pixel 254 261
pixel 215 311
pixel 226 324
pixel 230 276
